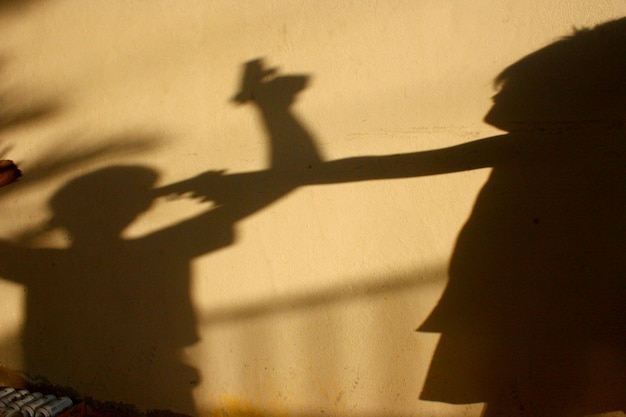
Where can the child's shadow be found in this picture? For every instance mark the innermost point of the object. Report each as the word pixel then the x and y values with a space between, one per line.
pixel 109 316
pixel 533 320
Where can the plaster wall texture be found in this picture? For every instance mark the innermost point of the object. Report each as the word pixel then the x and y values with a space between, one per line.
pixel 306 306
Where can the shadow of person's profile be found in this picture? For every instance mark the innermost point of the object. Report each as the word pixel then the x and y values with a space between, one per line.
pixel 533 320
pixel 576 81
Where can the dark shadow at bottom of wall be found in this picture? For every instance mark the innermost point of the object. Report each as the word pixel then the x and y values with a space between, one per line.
pixel 94 408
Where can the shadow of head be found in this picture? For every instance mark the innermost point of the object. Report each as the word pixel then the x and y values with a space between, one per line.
pixel 577 80
pixel 104 201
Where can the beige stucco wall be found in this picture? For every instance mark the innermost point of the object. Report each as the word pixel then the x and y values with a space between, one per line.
pixel 312 308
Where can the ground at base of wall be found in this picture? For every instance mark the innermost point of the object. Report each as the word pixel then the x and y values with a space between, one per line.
pixel 93 408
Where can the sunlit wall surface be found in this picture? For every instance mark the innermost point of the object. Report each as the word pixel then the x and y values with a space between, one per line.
pixel 264 280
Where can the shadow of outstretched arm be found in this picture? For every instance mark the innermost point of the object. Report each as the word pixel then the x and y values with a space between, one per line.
pixel 478 154
pixel 295 160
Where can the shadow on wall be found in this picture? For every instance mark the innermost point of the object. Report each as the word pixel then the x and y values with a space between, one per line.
pixel 109 316
pixel 103 315
pixel 532 320
pixel 9 6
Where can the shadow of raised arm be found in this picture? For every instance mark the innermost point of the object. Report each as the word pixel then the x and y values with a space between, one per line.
pixel 291 148
pixel 291 145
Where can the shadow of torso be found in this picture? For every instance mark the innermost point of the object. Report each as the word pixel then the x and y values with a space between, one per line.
pixel 534 310
pixel 111 317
